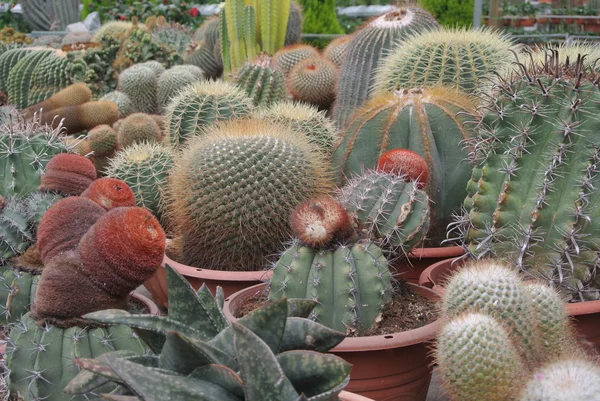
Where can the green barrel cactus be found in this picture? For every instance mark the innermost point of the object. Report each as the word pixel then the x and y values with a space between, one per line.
pixel 459 58
pixel 366 52
pixel 314 81
pixel 336 50
pixel 286 58
pixel 123 102
pixel 55 73
pixel 139 82
pixel 204 58
pixel 388 122
pixel 263 84
pixel 226 200
pixel 21 75
pixel 112 29
pixel 173 81
pixel 208 32
pixel 361 270
pixel 145 168
pixel 531 195
pixel 8 60
pixel 202 104
pixel 17 294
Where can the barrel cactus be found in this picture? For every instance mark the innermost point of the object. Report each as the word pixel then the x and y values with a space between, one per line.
pixel 53 74
pixel 138 128
pixel 8 60
pixel 139 82
pixel 263 84
pixel 286 58
pixel 67 174
pixel 204 58
pixel 124 103
pixel 314 81
pixel 219 186
pixel 20 77
pixel 173 81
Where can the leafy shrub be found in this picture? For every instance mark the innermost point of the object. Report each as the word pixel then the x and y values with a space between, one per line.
pixel 450 13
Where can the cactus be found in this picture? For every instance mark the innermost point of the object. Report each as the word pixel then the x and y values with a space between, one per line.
pixel 336 50
pixel 139 82
pixel 138 128
pixel 436 136
pixel 17 294
pixel 82 117
pixel 540 54
pixel 110 193
pixel 72 95
pixel 406 163
pixel 263 84
pixel 145 169
pixel 102 141
pixel 175 36
pixel 314 81
pixel 8 60
pixel 20 77
pixel 204 59
pixel 173 81
pixel 367 50
pixel 65 12
pixel 38 14
pixel 306 120
pixel 55 73
pixel 123 102
pixel 155 66
pixel 286 58
pixel 67 174
pixel 112 29
pixel 293 31
pixel 463 59
pixel 15 229
pixel 208 32
pixel 394 213
pixel 531 193
pixel 244 226
pixel 202 104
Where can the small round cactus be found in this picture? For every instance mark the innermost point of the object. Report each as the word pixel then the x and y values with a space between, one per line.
pixel 102 140
pixel 110 193
pixel 314 81
pixel 140 82
pixel 68 174
pixel 336 50
pixel 173 80
pixel 124 104
pixel 203 58
pixel 263 84
pixel 406 163
pixel 138 128
pixel 287 57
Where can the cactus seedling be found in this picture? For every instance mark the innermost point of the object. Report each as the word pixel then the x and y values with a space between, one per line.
pixel 110 193
pixel 406 163
pixel 68 174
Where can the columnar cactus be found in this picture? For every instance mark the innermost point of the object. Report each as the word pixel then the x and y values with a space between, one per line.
pixel 138 128
pixel 82 117
pixel 173 81
pixel 72 95
pixel 102 140
pixel 38 14
pixel 263 84
pixel 139 82
pixel 286 58
pixel 67 174
pixel 367 50
pixel 314 81
pixel 65 12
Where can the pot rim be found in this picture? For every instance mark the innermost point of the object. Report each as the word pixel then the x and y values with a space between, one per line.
pixel 153 308
pixel 436 252
pixel 348 396
pixel 207 274
pixel 370 343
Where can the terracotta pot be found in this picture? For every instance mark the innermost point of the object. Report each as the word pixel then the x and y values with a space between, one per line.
pixel 585 315
pixel 542 20
pixel 580 21
pixel 230 281
pixel 385 368
pixel 152 308
pixel 569 20
pixel 527 21
pixel 555 20
pixel 346 396
pixel 421 258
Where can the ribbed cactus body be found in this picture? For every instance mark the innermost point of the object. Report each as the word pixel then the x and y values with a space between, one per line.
pixel 123 102
pixel 54 74
pixel 314 81
pixel 226 200
pixel 389 122
pixel 21 75
pixel 462 59
pixel 8 60
pixel 17 294
pixel 138 128
pixel 173 81
pixel 65 12
pixel 208 32
pixel 202 104
pixel 395 213
pixel 15 230
pixel 262 84
pixel 286 58
pixel 366 52
pixel 204 58
pixel 140 82
pixel 38 14
pixel 112 29
pixel 360 269
pixel 336 50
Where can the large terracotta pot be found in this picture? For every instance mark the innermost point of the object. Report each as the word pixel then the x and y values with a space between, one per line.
pixel 421 258
pixel 585 315
pixel 231 282
pixel 390 367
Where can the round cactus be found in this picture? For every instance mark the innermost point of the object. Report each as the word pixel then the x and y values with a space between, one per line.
pixel 261 82
pixel 361 269
pixel 208 32
pixel 226 200
pixel 203 58
pixel 336 50
pixel 138 128
pixel 123 102
pixel 113 29
pixel 287 57
pixel 202 104
pixel 314 81
pixel 83 117
pixel 68 174
pixel 20 77
pixel 140 82
pixel 102 140
pixel 406 163
pixel 173 81
pixel 110 193
pixel 145 169
pixel 155 66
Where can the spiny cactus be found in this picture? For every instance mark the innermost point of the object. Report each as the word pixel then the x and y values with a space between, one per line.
pixel 138 128
pixel 314 81
pixel 145 169
pixel 463 59
pixel 173 35
pixel 123 102
pixel 293 31
pixel 8 60
pixel 17 294
pixel 406 163
pixel 113 29
pixel 204 58
pixel 155 66
pixel 202 104
pixel 261 82
pixel 208 32
pixel 15 229
pixel 286 58
pixel 82 117
pixel 67 174
pixel 110 193
pixel 139 82
pixel 336 50
pixel 367 50
pixel 102 140
pixel 231 223
pixel 20 77
pixel 38 14
pixel 72 95
pixel 173 81
pixel 565 50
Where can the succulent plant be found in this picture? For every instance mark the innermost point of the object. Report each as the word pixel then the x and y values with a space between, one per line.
pixel 208 32
pixel 173 81
pixel 124 104
pixel 219 185
pixel 67 174
pixel 293 31
pixel 263 84
pixel 286 58
pixel 174 35
pixel 563 380
pixel 204 58
pixel 102 140
pixel 50 15
pixel 113 29
pixel 19 80
pixel 8 59
pixel 82 117
pixel 15 229
pixel 140 83
pixel 336 50
pixel 138 128
pixel 406 163
pixel 17 294
pixel 110 193
pixel 72 95
pixel 367 50
pixel 314 81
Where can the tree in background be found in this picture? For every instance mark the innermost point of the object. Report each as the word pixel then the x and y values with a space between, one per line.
pixel 320 16
pixel 453 13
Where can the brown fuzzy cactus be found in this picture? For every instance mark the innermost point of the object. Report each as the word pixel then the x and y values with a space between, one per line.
pixel 72 95
pixel 123 249
pixel 110 193
pixel 68 174
pixel 82 117
pixel 64 224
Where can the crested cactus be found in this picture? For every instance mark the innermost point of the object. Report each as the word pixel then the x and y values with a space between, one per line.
pixel 67 174
pixel 38 14
pixel 218 192
pixel 139 82
pixel 138 128
pixel 263 84
pixel 204 58
pixel 314 81
pixel 124 103
pixel 145 169
pixel 387 122
pixel 202 104
pixel 463 59
pixel 336 50
pixel 173 81
pixel 286 58
pixel 367 50
pixel 72 95
pixel 82 117
pixel 20 77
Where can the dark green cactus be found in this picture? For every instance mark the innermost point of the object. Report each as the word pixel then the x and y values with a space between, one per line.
pixel 208 33
pixel 293 31
pixel 263 84
pixel 21 76
pixel 8 60
pixel 204 58
pixel 173 81
pixel 38 14
pixel 17 294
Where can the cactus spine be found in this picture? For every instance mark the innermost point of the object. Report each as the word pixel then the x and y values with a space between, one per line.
pixel 138 128
pixel 336 50
pixel 173 81
pixel 204 59
pixel 314 81
pixel 123 102
pixel 8 60
pixel 139 82
pixel 20 77
pixel 286 58
pixel 263 84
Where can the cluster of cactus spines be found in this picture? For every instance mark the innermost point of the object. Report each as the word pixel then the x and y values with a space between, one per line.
pixel 72 95
pixel 306 120
pixel 202 104
pixel 224 221
pixel 393 212
pixel 123 102
pixel 173 35
pixel 286 58
pixel 463 59
pixel 139 82
pixel 68 174
pixel 53 74
pixel 8 60
pixel 172 81
pixel 82 117
pixel 388 122
pixel 15 229
pixel 145 169
pixel 113 29
pixel 203 58
pixel 361 269
pixel 317 222
pixel 263 84
pixel 155 66
pixel 110 193
pixel 138 128
pixel 336 50
pixel 536 162
pixel 20 77
pixel 407 163
pixel 25 149
pixel 314 81
pixel 208 32
pixel 102 140
pixel 367 50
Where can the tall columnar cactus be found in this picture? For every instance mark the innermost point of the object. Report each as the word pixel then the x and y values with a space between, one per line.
pixel 202 104
pixel 140 82
pixel 263 84
pixel 463 59
pixel 314 81
pixel 72 95
pixel 65 12
pixel 123 102
pixel 204 58
pixel 102 140
pixel 530 198
pixel 388 122
pixel 38 14
pixel 225 199
pixel 336 50
pixel 15 229
pixel 286 58
pixel 82 117
pixel 293 32
pixel 366 52
pixel 173 81
pixel 145 169
pixel 361 269
pixel 138 128
pixel 20 77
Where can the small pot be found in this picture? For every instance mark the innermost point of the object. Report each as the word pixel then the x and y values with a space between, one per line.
pixel 528 21
pixel 388 367
pixel 580 21
pixel 542 20
pixel 230 281
pixel 419 259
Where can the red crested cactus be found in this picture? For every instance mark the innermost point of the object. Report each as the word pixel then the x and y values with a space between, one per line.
pixel 64 224
pixel 321 220
pixel 110 193
pixel 68 174
pixel 405 162
pixel 123 249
